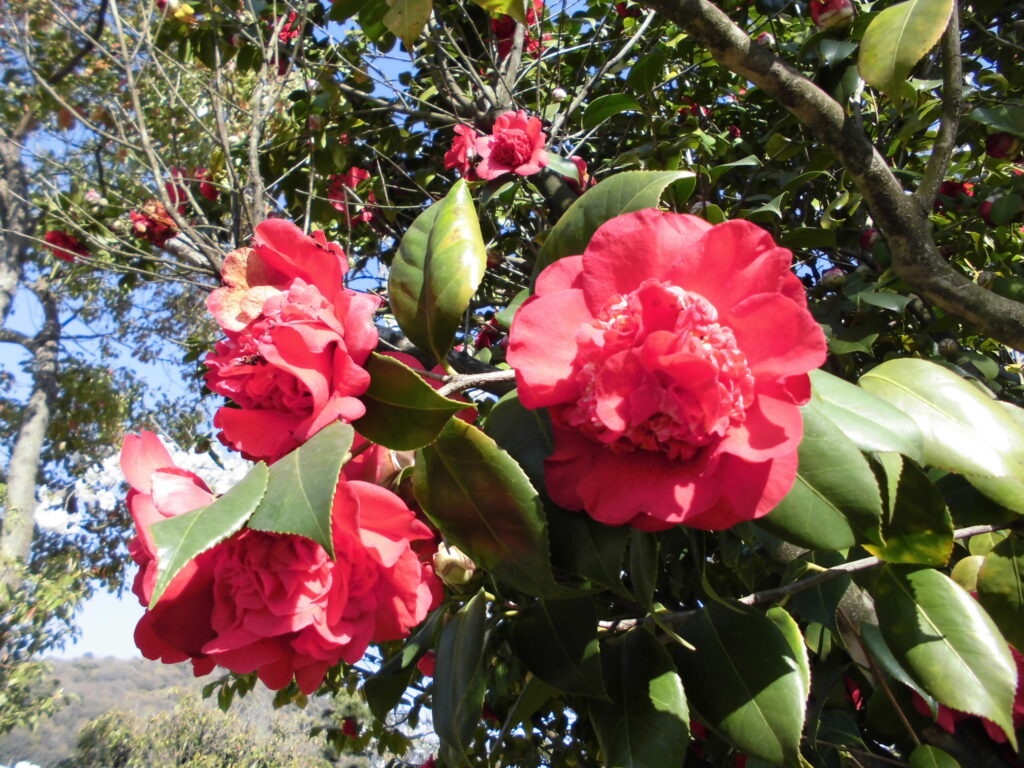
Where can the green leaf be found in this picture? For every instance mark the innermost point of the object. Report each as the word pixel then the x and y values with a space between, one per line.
pixel 946 642
pixel 524 434
pixel 919 529
pixel 403 412
pixel 459 680
pixel 609 105
pixel 1001 587
pixel 963 430
pixel 582 546
pixel 484 504
pixel 643 565
pixel 384 690
pixel 182 538
pixel 744 162
pixel 406 19
pixel 898 38
pixel 871 422
pixel 504 317
pixel 646 725
pixel 301 485
pixel 874 643
pixel 1001 117
pixel 927 756
pixel 808 237
pixel 835 496
pixel 439 264
pixel 535 694
pixel 557 641
pixel 514 8
pixel 647 74
pixel 621 193
pixel 820 602
pixel 746 680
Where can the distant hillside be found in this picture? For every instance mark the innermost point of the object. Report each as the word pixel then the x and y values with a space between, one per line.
pixel 138 686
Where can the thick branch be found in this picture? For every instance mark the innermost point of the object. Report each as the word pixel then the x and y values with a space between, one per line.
pixel 915 257
pixel 952 104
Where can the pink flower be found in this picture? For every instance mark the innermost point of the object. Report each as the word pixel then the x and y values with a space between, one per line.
pixel 64 246
pixel 153 224
pixel 296 342
pixel 276 604
pixel 178 627
pixel 343 187
pixel 207 188
pixel 427 664
pixel 828 14
pixel 583 180
pixel 674 393
pixel 516 145
pixel 463 151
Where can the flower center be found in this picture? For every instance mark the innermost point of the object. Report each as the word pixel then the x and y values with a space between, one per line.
pixel 657 371
pixel 512 147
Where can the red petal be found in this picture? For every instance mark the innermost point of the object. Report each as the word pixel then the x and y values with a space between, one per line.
pixel 778 338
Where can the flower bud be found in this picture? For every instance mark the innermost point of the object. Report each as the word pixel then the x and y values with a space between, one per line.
pixel 949 348
pixel 831 14
pixel 833 279
pixel 427 664
pixel 453 566
pixel 765 38
pixel 985 278
pixel 985 211
pixel 559 95
pixel 1002 145
pixel 869 238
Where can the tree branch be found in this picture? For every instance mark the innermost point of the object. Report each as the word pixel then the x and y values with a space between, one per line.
pixel 915 257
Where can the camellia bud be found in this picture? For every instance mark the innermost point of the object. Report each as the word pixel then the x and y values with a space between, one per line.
pixel 869 238
pixel 949 348
pixel 765 38
pixel 1002 145
pixel 985 278
pixel 559 95
pixel 453 566
pixel 831 14
pixel 833 279
pixel 985 211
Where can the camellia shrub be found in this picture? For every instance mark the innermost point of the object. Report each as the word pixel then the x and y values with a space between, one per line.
pixel 635 385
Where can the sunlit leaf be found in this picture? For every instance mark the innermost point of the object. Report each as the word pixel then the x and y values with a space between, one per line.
pixel 1000 583
pixel 898 38
pixel 459 680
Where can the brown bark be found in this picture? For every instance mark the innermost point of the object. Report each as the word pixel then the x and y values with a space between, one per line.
pixel 902 220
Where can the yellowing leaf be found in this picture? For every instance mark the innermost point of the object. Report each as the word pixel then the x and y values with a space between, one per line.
pixel 898 38
pixel 406 18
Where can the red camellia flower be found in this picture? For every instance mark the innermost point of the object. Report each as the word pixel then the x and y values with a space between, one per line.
pixel 516 145
pixel 829 14
pixel 463 151
pixel 340 194
pixel 179 626
pixel 625 10
pixel 504 29
pixel 674 393
pixel 296 341
pixel 153 224
pixel 953 194
pixel 276 604
pixel 64 246
pixel 207 188
pixel 1002 145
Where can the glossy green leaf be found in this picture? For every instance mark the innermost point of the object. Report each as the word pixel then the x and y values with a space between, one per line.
pixel 744 162
pixel 484 504
pixel 746 680
pixel 927 756
pixel 525 434
pixel 648 73
pixel 646 725
pixel 1001 117
pixel 874 643
pixel 505 316
pixel 820 602
pixel 944 639
pixel 459 680
pixel 300 487
pixel 384 690
pixel 835 499
pixel 871 422
pixel 1001 587
pixel 643 565
pixel 182 538
pixel 557 641
pixel 618 194
pixel 584 547
pixel 439 264
pixel 963 430
pixel 898 38
pixel 403 412
pixel 533 696
pixel 604 107
pixel 919 529
pixel 406 19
